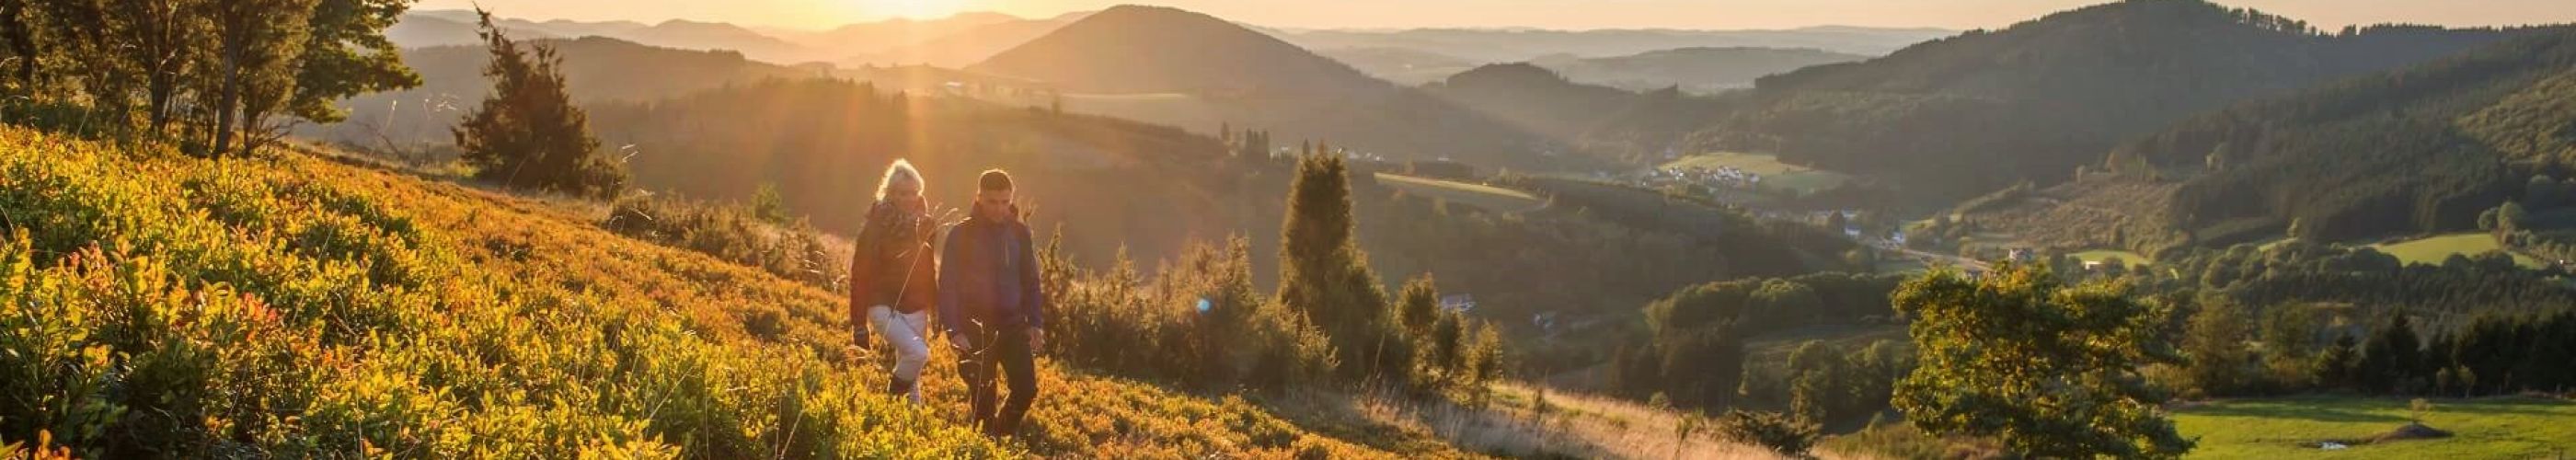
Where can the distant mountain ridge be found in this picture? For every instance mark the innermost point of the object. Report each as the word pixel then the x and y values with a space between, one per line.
pixel 597 69
pixel 1171 66
pixel 1514 45
pixel 1139 49
pixel 1698 70
pixel 422 29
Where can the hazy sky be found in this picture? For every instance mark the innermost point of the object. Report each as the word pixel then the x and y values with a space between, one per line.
pixel 1555 14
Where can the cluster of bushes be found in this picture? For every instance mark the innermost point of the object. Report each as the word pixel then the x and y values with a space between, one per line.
pixel 1693 350
pixel 1202 321
pixel 1831 385
pixel 750 234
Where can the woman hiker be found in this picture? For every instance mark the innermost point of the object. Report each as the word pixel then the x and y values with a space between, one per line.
pixel 893 276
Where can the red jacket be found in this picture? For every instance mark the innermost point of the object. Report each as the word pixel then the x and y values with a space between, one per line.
pixel 891 264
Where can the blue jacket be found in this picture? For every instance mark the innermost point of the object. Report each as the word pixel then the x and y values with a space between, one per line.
pixel 988 275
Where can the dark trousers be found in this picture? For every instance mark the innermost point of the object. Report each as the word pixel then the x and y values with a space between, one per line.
pixel 1009 351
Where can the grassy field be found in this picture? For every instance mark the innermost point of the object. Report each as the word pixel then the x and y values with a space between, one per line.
pixel 2098 255
pixel 1901 265
pixel 1490 198
pixel 1776 175
pixel 2481 428
pixel 2432 250
pixel 1159 108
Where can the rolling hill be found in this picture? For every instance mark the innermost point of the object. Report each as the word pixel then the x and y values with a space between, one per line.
pixel 1204 73
pixel 1533 98
pixel 1140 49
pixel 1961 116
pixel 2419 150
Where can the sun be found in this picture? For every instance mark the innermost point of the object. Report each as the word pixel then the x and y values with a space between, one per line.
pixel 916 9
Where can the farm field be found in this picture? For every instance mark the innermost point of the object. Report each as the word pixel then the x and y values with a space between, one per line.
pixel 2513 427
pixel 2432 250
pixel 2098 255
pixel 1490 198
pixel 1794 179
pixel 1174 109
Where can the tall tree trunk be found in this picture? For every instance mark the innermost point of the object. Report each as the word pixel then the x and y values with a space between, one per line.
pixel 22 42
pixel 227 99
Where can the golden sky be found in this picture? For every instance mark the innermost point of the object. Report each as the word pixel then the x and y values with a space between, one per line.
pixel 1553 14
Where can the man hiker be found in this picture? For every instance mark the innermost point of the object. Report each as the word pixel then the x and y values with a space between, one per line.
pixel 892 276
pixel 992 306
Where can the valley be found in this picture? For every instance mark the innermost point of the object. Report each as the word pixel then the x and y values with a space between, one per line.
pixel 2132 229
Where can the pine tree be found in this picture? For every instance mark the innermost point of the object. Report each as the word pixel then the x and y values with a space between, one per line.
pixel 2392 361
pixel 1325 276
pixel 528 133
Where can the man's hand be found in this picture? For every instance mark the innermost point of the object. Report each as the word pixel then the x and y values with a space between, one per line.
pixel 1037 339
pixel 959 341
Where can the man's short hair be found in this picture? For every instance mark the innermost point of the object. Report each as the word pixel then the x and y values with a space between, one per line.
pixel 994 181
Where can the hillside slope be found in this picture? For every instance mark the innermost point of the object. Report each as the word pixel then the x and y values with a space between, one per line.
pixel 1533 98
pixel 1978 112
pixel 2419 150
pixel 294 306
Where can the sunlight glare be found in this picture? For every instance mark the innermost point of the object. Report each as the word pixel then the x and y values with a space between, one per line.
pixel 914 9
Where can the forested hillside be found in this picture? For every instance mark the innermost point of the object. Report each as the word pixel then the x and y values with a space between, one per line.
pixel 2417 150
pixel 1533 98
pixel 2420 150
pixel 1961 116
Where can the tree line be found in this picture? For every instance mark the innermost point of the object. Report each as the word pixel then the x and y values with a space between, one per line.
pixel 221 77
